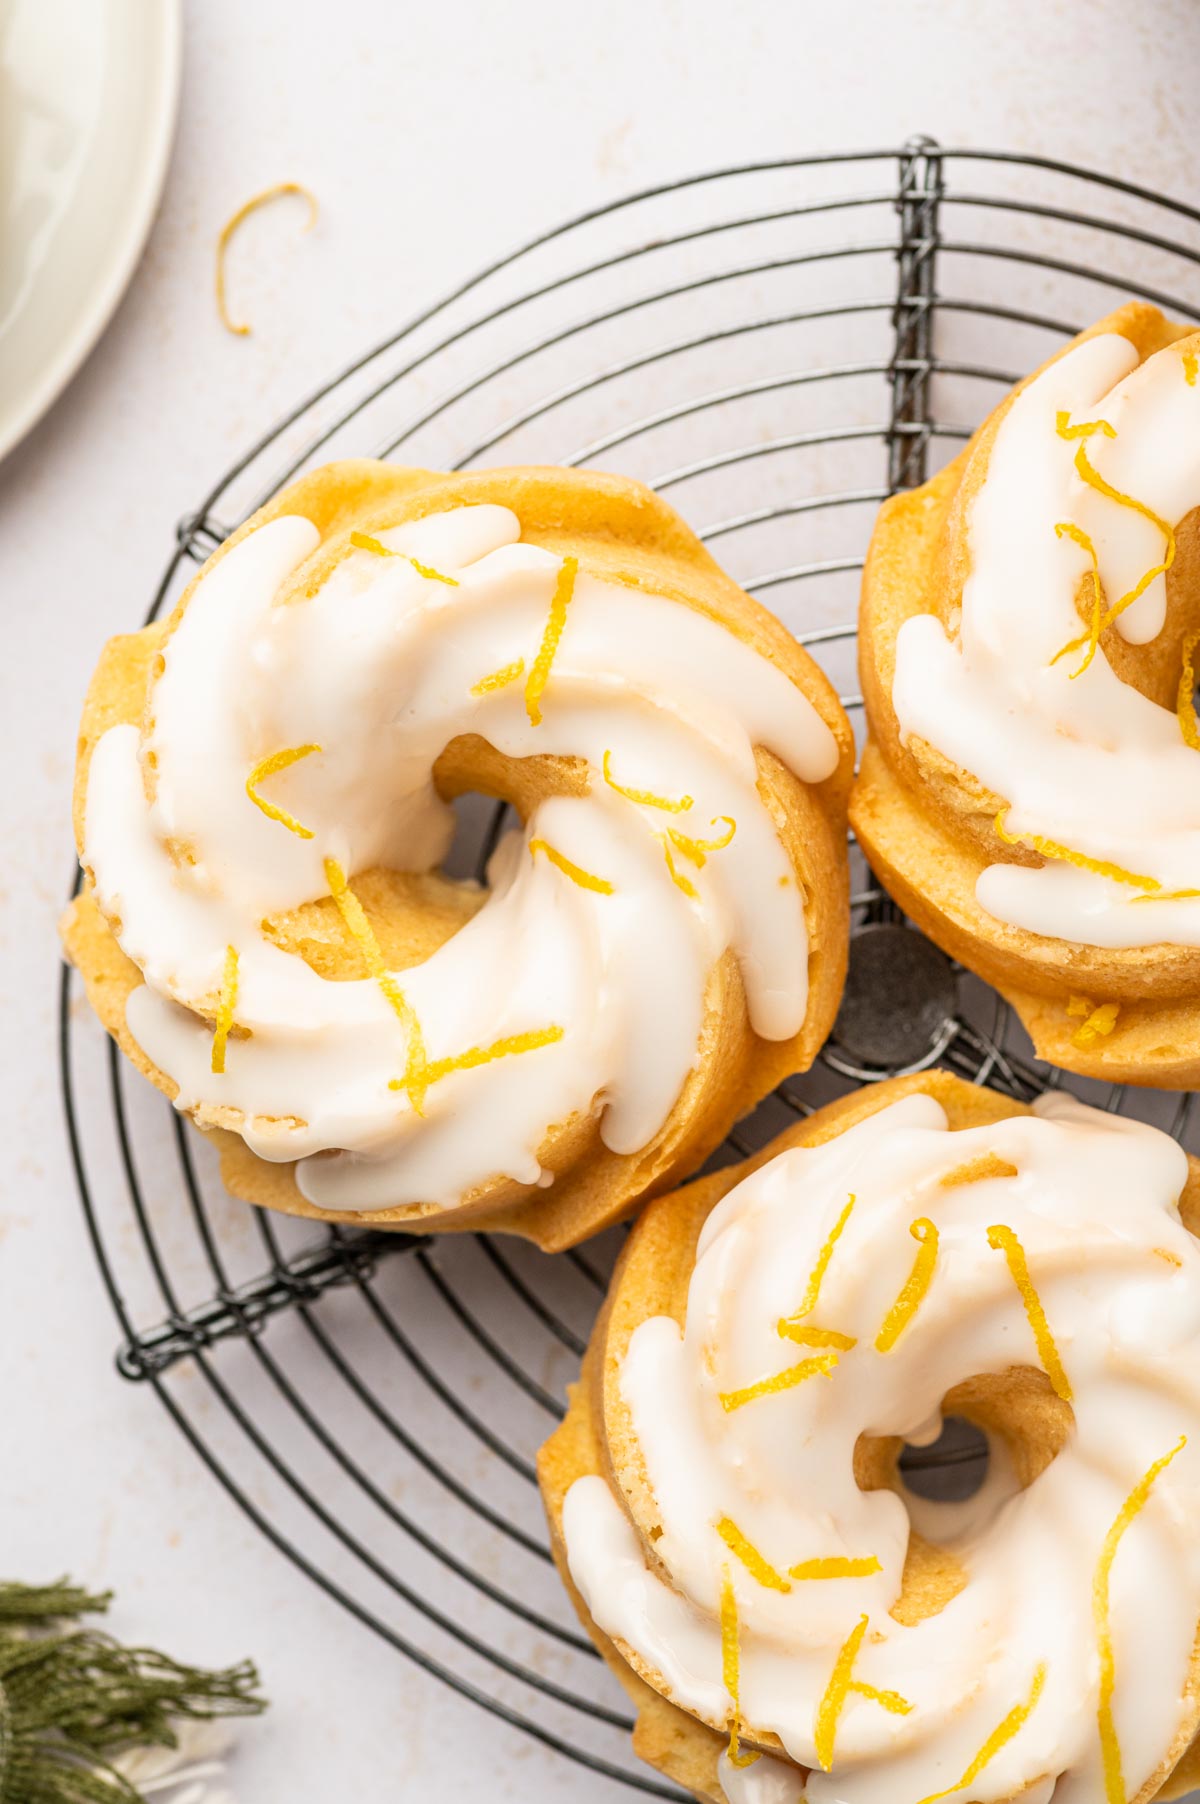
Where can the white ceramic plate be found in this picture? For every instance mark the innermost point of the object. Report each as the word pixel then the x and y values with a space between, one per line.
pixel 89 91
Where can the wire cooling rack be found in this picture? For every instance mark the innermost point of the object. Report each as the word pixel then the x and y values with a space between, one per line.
pixel 775 348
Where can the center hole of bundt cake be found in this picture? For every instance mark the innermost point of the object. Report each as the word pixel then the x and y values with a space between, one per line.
pixel 950 1469
pixel 1014 1416
pixel 479 822
pixel 999 1432
pixel 413 913
pixel 491 793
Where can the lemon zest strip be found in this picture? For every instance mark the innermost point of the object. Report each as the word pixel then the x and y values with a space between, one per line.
pixel 814 1337
pixel 912 1291
pixel 354 915
pixel 1185 700
pixel 230 227
pixel 820 1366
pixel 1050 848
pixel 1088 429
pixel 1067 529
pixel 225 1008
pixel 841 1683
pixel 834 1566
pixel 539 676
pixel 831 1705
pixel 977 1171
pixel 1114 1781
pixel 748 1554
pixel 1004 1240
pixel 499 679
pixel 677 876
pixel 1190 368
pixel 698 849
pixel 1164 1253
pixel 890 1700
pixel 999 1738
pixel 646 797
pixel 1100 1021
pixel 575 872
pixel 268 767
pixel 1093 478
pixel 730 1668
pixel 512 1044
pixel 362 541
pixel 817 1276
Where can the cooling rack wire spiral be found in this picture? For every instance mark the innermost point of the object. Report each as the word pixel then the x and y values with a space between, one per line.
pixel 774 348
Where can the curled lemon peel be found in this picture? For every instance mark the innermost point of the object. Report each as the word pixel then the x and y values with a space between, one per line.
pixel 1110 1747
pixel 1089 474
pixel 539 675
pixel 999 1738
pixel 646 797
pixel 225 1008
pixel 912 1291
pixel 230 227
pixel 509 1047
pixel 269 767
pixel 416 1066
pixel 499 679
pixel 977 1171
pixel 890 1700
pixel 677 876
pixel 1004 1240
pixel 362 541
pixel 575 872
pixel 1190 368
pixel 756 1565
pixel 835 1566
pixel 816 1277
pixel 698 849
pixel 731 1659
pixel 1050 848
pixel 1087 429
pixel 1100 1021
pixel 820 1366
pixel 1185 700
pixel 1066 529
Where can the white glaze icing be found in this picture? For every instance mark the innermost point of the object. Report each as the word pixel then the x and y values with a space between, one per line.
pixel 1093 1198
pixel 767 1781
pixel 1085 761
pixel 377 668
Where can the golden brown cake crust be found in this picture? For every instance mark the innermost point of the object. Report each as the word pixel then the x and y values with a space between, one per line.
pixel 623 533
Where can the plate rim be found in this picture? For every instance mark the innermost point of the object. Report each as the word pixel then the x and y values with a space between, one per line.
pixel 116 273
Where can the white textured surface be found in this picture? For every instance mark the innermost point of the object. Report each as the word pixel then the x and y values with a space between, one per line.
pixel 431 146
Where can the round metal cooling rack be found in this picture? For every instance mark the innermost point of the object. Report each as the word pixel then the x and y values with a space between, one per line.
pixel 776 348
